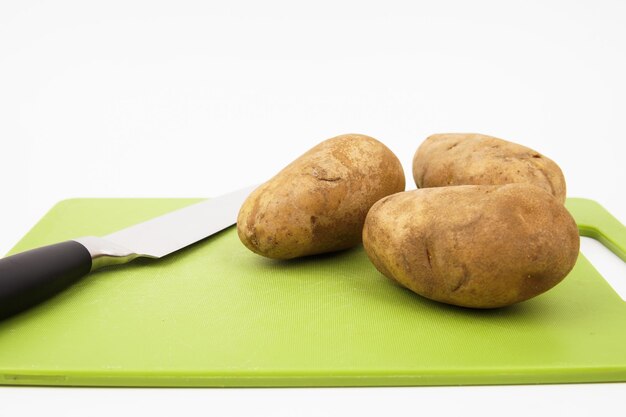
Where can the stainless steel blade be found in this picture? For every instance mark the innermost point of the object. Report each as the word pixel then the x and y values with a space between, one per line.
pixel 173 231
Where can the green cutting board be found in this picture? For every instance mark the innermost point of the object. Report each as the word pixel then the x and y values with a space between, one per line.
pixel 216 314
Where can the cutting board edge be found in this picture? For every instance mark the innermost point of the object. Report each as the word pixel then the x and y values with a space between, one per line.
pixel 382 378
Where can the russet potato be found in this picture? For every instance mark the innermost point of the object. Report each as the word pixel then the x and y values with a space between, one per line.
pixel 474 159
pixel 480 246
pixel 318 203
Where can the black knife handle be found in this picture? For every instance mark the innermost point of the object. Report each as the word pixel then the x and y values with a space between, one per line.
pixel 31 277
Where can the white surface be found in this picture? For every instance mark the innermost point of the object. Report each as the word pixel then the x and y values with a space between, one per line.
pixel 193 99
pixel 510 401
pixel 612 268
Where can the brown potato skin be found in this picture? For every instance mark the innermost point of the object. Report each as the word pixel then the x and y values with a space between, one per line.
pixel 474 159
pixel 318 203
pixel 480 246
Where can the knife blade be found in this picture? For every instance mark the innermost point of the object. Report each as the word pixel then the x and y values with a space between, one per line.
pixel 30 277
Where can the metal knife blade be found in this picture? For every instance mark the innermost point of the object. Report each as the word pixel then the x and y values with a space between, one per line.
pixel 30 277
pixel 173 231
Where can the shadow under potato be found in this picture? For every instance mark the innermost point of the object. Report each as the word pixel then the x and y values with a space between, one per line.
pixel 318 258
pixel 510 310
pixel 353 268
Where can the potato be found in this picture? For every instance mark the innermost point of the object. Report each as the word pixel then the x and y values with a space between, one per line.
pixel 480 246
pixel 318 203
pixel 470 158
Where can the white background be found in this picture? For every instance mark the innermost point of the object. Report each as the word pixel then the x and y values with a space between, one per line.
pixel 196 98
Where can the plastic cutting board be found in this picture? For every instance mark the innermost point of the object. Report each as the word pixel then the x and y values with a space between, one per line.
pixel 215 314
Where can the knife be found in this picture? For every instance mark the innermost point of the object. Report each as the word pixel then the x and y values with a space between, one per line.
pixel 30 277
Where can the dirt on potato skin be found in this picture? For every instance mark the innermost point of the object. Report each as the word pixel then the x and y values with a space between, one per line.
pixel 318 203
pixel 473 159
pixel 480 246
